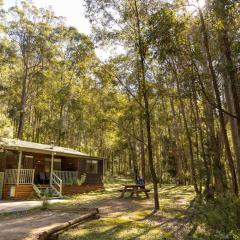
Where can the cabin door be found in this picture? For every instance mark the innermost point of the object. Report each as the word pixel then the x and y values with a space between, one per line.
pixel 1 183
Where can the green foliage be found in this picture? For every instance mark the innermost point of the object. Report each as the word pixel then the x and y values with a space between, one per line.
pixel 46 195
pixel 5 125
pixel 81 180
pixel 45 205
pixel 51 75
pixel 78 181
pixel 70 182
pixel 220 217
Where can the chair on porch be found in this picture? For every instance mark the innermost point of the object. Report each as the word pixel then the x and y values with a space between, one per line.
pixel 42 177
pixel 47 179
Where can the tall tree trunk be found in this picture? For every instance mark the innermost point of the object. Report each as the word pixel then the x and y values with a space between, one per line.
pixel 179 157
pixel 204 156
pixel 142 148
pixel 188 134
pixel 213 143
pixel 132 146
pixel 219 105
pixel 159 162
pixel 112 165
pixel 147 116
pixel 232 80
pixel 130 161
pixel 60 125
pixel 234 127
pixel 23 104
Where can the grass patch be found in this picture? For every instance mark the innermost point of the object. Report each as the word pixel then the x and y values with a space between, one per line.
pixel 131 224
pixel 94 197
pixel 118 228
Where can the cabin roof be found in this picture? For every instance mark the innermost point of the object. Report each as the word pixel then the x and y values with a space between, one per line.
pixel 16 144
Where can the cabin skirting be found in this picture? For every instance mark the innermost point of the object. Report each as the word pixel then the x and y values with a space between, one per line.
pixel 24 192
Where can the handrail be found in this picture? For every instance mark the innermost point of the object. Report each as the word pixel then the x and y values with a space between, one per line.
pixel 26 176
pixel 67 176
pixel 36 189
pixel 56 181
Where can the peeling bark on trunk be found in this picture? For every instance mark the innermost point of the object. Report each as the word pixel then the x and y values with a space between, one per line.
pixel 219 105
pixel 142 147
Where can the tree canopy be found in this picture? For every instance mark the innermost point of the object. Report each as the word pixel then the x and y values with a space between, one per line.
pixel 167 108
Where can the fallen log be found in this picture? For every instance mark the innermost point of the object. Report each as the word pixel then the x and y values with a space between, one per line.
pixel 94 214
pixel 67 209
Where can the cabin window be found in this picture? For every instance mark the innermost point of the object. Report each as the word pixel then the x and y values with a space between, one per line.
pixel 56 164
pixel 92 166
pixel 27 162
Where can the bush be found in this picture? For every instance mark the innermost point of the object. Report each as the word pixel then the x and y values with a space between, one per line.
pixel 45 197
pixel 81 180
pixel 69 182
pixel 45 204
pixel 220 217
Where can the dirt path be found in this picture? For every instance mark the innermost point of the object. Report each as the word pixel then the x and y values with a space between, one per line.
pixel 172 218
pixel 120 218
pixel 119 206
pixel 29 225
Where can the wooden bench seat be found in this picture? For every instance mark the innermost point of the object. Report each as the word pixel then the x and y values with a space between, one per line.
pixel 132 191
pixel 143 190
pixel 126 190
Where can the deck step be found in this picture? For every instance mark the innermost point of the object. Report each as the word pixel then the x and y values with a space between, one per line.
pixel 43 188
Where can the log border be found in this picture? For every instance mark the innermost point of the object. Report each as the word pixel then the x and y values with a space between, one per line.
pixel 55 231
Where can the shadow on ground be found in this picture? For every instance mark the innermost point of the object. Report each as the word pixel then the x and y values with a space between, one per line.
pixel 133 218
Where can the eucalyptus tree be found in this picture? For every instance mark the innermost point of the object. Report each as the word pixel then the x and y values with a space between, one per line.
pixel 167 39
pixel 31 30
pixel 225 15
pixel 163 96
pixel 124 22
pixel 175 45
pixel 76 60
pixel 218 102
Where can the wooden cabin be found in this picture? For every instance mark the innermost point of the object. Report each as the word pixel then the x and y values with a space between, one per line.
pixel 27 169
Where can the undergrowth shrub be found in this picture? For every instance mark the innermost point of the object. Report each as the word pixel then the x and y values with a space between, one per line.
pixel 45 199
pixel 220 218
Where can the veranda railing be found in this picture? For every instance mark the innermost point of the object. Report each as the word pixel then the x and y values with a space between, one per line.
pixel 67 177
pixel 56 184
pixel 26 176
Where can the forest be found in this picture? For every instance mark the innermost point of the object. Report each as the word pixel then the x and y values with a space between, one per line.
pixel 165 106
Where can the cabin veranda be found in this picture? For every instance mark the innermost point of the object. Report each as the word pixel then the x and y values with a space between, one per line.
pixel 27 169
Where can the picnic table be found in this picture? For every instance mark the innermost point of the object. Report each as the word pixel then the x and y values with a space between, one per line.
pixel 134 189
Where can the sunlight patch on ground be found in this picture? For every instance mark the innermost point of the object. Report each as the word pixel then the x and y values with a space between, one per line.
pixel 128 223
pixel 109 192
pixel 116 229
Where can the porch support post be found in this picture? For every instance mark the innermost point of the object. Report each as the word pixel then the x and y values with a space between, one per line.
pixel 51 172
pixel 33 174
pixel 19 166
